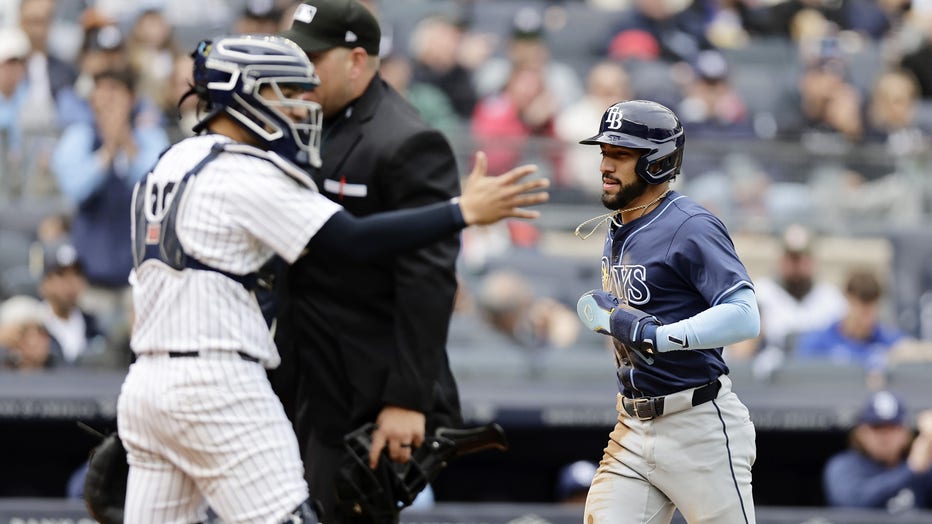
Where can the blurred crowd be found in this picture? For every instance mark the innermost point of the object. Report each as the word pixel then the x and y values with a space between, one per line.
pixel 803 117
pixel 797 111
pixel 806 318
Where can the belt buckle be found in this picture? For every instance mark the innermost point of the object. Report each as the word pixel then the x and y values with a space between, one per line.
pixel 649 411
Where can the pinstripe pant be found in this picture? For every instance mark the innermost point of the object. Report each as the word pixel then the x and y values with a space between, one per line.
pixel 698 461
pixel 204 431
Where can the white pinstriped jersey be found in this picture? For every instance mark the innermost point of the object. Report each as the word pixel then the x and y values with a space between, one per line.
pixel 236 213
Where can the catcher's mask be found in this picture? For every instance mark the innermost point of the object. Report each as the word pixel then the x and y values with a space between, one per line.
pixel 229 74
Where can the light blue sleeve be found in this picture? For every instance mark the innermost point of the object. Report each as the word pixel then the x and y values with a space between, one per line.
pixel 76 165
pixel 733 319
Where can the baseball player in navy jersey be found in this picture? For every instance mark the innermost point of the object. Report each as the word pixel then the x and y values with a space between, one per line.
pixel 673 293
pixel 196 413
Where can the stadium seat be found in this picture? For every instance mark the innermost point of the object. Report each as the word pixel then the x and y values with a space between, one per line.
pixel 14 249
pixel 815 372
pixel 18 280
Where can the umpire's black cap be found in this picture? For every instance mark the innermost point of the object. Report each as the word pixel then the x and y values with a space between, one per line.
pixel 320 25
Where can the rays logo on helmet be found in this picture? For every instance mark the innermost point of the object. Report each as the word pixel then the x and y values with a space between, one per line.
pixel 613 118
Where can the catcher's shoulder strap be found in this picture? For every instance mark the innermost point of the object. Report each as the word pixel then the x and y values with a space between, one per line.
pixel 155 214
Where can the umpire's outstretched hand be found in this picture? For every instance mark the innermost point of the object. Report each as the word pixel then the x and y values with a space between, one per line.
pixel 488 199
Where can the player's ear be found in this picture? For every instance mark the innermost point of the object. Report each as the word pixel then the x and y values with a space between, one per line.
pixel 361 62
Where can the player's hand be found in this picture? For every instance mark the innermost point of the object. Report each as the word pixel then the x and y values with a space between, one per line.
pixel 488 199
pixel 924 422
pixel 601 312
pixel 400 430
pixel 919 459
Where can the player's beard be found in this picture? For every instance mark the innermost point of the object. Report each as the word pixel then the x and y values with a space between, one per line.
pixel 625 195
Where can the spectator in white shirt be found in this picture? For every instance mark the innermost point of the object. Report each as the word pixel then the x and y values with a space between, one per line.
pixel 76 338
pixel 795 300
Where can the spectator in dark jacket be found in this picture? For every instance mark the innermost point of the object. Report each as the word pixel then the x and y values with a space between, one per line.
pixel 885 467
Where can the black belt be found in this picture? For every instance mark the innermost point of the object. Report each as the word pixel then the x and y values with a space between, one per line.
pixel 194 354
pixel 652 407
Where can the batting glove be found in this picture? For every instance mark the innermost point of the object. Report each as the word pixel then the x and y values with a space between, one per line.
pixel 601 312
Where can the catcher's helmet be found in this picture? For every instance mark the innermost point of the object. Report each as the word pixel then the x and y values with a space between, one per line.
pixel 230 71
pixel 648 126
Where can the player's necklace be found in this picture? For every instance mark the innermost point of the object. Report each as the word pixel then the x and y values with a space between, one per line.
pixel 612 216
pixel 645 206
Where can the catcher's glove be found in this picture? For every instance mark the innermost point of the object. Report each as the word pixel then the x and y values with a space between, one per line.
pixel 105 484
pixel 379 495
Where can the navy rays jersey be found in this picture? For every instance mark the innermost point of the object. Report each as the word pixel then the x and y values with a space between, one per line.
pixel 673 263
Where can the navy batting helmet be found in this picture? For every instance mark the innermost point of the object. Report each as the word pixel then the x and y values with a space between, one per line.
pixel 230 72
pixel 647 126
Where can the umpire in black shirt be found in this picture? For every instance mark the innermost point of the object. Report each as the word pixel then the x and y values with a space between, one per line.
pixel 368 341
